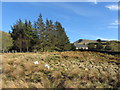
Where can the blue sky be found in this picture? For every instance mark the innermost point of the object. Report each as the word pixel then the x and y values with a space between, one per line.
pixel 87 20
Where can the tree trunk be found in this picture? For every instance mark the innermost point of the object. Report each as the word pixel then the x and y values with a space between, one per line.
pixel 27 49
pixel 3 51
pixel 43 48
pixel 20 50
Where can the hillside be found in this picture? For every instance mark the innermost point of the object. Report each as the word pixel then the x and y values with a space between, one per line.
pixel 60 70
pixel 102 45
pixel 84 41
pixel 6 41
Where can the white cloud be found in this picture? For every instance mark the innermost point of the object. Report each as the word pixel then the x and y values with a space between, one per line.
pixel 113 7
pixel 115 23
pixel 113 27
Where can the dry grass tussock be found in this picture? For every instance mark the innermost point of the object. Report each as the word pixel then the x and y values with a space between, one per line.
pixel 71 69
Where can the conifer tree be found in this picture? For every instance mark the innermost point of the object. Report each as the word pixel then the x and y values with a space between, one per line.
pixel 50 37
pixel 41 33
pixel 22 34
pixel 62 39
pixel 18 34
pixel 41 37
pixel 29 34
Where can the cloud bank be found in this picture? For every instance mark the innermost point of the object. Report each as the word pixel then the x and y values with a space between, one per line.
pixel 114 24
pixel 113 7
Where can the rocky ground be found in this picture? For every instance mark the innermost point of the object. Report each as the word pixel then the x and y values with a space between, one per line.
pixel 60 70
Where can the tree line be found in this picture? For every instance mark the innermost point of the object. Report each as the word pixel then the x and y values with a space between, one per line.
pixel 41 36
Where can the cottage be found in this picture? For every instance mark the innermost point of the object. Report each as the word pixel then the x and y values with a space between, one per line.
pixel 81 46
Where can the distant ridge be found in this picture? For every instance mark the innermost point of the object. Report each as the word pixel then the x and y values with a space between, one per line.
pixel 84 41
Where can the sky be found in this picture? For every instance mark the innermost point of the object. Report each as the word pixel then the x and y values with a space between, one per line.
pixel 81 20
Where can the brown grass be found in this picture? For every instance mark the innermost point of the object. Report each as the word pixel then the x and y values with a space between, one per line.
pixel 67 69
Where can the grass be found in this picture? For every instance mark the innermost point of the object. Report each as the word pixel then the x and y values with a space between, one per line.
pixel 67 70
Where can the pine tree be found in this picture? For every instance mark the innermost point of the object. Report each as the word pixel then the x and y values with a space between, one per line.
pixel 29 34
pixel 18 34
pixel 62 39
pixel 35 41
pixel 43 37
pixel 50 37
pixel 41 33
pixel 22 34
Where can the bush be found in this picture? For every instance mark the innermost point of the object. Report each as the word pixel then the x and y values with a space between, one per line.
pixel 99 46
pixel 91 46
